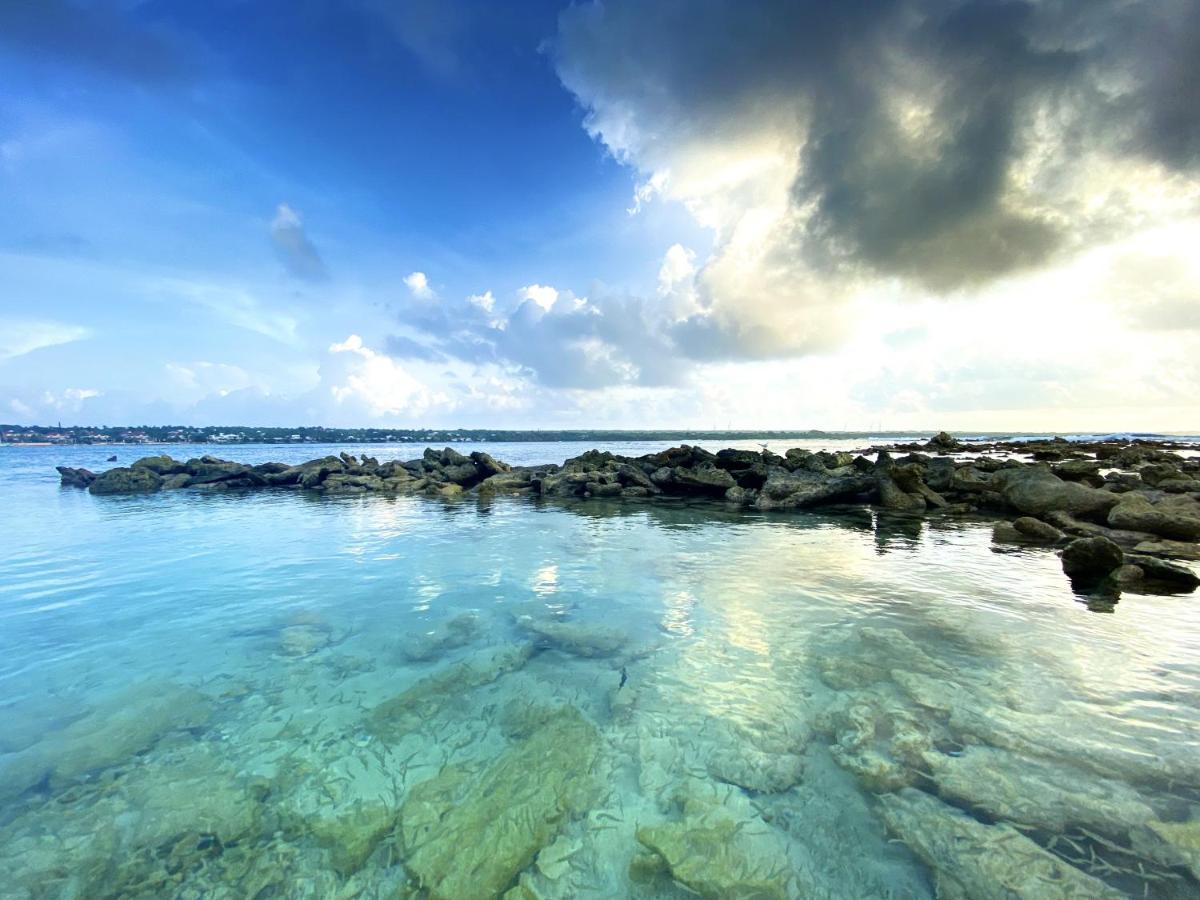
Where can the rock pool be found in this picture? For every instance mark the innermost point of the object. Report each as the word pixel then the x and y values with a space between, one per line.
pixel 282 695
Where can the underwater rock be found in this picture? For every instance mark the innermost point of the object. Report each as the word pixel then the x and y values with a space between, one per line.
pixel 1053 796
pixel 755 770
pixel 987 862
pixel 719 851
pixel 576 638
pixel 111 734
pixel 1182 843
pixel 303 640
pixel 428 696
pixel 876 737
pixel 447 635
pixel 467 834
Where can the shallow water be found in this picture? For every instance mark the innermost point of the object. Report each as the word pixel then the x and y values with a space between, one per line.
pixel 280 695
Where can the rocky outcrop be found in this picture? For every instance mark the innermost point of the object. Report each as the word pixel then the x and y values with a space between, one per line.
pixel 1148 505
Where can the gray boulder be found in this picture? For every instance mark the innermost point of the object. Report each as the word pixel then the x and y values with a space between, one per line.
pixel 1037 530
pixel 1035 490
pixel 1135 512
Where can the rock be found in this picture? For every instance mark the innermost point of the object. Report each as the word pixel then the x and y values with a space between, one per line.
pixel 111 734
pixel 430 696
pixel 891 496
pixel 79 478
pixel 1006 533
pixel 469 834
pixel 1183 841
pixel 1047 795
pixel 1136 513
pixel 971 480
pixel 1091 558
pixel 1079 470
pixel 988 862
pixel 125 480
pixel 790 490
pixel 943 442
pixel 702 479
pixel 1035 490
pixel 1176 576
pixel 939 473
pixel 449 635
pixel 160 465
pixel 486 465
pixel 1037 530
pixel 1127 575
pixel 303 639
pixel 1170 549
pixel 575 638
pixel 718 852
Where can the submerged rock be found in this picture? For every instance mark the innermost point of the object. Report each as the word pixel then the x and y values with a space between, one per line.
pixel 469 833
pixel 1052 796
pixel 448 635
pixel 988 862
pixel 429 696
pixel 718 851
pixel 111 734
pixel 576 638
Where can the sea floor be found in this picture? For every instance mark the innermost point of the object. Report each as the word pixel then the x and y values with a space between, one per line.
pixel 275 696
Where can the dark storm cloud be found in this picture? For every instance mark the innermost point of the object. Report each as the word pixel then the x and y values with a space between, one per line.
pixel 937 210
pixel 104 35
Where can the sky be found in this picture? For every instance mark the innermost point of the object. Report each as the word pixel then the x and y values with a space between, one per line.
pixel 786 214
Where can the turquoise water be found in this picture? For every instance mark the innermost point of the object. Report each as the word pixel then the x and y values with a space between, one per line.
pixel 280 695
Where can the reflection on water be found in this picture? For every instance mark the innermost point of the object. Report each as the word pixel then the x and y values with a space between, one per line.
pixel 270 696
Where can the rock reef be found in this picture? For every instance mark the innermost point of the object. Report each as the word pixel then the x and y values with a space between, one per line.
pixel 1118 510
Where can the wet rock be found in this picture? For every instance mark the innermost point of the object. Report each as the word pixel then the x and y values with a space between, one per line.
pixel 1091 558
pixel 988 862
pixel 1174 576
pixel 1037 530
pixel 720 851
pixel 1135 512
pixel 125 480
pixel 892 496
pixel 1035 490
pixel 79 478
pixel 468 833
pixel 1079 470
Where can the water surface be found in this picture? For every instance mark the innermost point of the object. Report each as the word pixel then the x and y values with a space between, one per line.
pixel 287 695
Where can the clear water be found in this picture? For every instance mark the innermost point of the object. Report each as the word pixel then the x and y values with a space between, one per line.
pixel 280 695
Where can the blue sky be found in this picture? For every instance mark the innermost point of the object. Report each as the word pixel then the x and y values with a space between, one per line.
pixel 662 214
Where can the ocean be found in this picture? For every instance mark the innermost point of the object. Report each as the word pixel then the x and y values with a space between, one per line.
pixel 289 695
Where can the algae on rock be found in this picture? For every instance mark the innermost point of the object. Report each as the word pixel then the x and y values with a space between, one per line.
pixel 468 833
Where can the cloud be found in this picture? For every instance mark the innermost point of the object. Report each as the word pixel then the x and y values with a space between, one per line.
pixel 418 286
pixel 19 336
pixel 292 245
pixel 365 380
pixel 837 150
pixel 541 295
